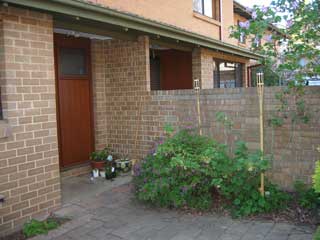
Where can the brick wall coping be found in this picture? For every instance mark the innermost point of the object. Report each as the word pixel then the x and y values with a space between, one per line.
pixel 224 91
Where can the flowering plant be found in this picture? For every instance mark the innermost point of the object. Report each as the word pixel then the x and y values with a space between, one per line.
pixel 290 33
pixel 189 170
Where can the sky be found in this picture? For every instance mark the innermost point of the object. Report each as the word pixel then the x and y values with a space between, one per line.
pixel 250 3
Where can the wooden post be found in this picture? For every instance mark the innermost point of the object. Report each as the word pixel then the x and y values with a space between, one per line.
pixel 196 86
pixel 260 88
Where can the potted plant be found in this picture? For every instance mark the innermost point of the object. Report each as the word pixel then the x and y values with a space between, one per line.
pixel 124 164
pixel 110 168
pixel 99 158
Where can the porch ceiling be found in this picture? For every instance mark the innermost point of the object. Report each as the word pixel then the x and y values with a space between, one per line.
pixel 123 24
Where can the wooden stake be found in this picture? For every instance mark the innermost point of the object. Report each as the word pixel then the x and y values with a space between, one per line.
pixel 260 88
pixel 197 90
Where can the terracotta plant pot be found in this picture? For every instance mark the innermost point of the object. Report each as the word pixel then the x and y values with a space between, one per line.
pixel 98 164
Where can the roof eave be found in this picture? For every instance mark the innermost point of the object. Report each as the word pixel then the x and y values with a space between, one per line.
pixel 110 16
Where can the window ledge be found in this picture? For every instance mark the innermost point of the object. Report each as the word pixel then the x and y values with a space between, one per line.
pixel 5 129
pixel 244 45
pixel 206 19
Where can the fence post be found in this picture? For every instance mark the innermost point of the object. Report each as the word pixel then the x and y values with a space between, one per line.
pixel 260 88
pixel 197 88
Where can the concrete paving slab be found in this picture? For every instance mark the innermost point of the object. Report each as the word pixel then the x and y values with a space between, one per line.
pixel 106 210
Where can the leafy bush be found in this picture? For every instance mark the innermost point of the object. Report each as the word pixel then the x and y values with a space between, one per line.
pixel 317 234
pixel 242 187
pixel 187 169
pixel 35 227
pixel 307 197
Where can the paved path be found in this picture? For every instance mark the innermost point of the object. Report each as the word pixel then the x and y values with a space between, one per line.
pixel 113 215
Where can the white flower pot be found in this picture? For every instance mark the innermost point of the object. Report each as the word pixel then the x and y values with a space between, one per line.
pixel 95 173
pixel 103 174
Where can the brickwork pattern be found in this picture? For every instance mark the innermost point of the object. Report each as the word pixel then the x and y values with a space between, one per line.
pixel 294 152
pixel 29 164
pixel 99 92
pixel 202 68
pixel 129 112
pixel 121 84
pixel 129 117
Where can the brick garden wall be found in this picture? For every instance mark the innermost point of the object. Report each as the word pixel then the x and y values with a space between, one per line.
pixel 294 152
pixel 130 118
pixel 29 164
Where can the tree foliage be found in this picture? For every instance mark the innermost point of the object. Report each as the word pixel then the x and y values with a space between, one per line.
pixel 293 47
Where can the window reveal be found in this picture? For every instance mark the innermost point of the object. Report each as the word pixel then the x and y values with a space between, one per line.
pixel 227 74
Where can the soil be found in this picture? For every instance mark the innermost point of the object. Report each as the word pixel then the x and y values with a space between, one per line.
pixel 294 213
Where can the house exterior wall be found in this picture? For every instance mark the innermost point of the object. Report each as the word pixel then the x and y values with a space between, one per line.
pixel 121 83
pixel 239 18
pixel 131 117
pixel 29 163
pixel 203 65
pixel 178 13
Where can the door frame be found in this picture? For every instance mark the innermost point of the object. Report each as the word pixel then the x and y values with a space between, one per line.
pixel 73 42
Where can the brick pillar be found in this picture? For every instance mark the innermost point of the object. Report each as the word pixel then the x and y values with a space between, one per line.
pixel 121 81
pixel 196 63
pixel 29 162
pixel 202 68
pixel 101 106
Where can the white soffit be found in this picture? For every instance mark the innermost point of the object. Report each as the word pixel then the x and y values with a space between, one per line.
pixel 80 34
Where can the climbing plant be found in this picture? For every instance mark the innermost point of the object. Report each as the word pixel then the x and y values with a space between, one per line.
pixel 287 34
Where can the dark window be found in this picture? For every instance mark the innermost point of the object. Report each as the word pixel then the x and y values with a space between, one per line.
pixel 72 61
pixel 155 73
pixel 257 42
pixel 228 74
pixel 242 37
pixel 209 8
pixel 170 69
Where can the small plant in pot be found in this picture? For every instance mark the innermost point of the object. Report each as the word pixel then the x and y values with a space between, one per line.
pixel 99 158
pixel 110 168
pixel 124 164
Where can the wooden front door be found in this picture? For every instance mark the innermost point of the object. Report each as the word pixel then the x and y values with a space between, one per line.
pixel 73 81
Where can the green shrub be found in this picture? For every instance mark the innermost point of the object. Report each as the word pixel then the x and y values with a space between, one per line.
pixel 35 227
pixel 187 169
pixel 307 197
pixel 317 234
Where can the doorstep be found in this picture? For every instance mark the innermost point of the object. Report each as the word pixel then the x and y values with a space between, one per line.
pixel 77 170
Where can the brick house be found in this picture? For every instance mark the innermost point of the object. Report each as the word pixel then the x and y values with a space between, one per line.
pixel 77 75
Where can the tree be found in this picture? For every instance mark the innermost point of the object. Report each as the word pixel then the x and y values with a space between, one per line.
pixel 293 47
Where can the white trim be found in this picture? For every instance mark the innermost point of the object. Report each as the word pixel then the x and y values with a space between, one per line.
pixel 80 34
pixel 221 21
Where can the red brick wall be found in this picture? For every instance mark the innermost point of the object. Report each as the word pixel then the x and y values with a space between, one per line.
pixel 29 164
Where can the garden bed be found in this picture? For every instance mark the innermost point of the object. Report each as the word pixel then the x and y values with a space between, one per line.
pixel 195 173
pixel 34 228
